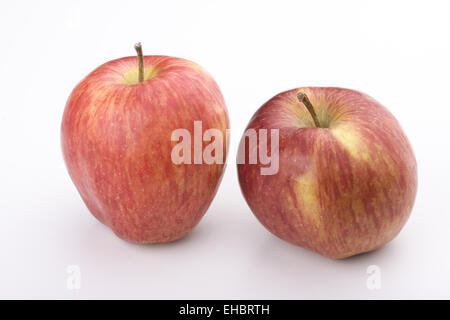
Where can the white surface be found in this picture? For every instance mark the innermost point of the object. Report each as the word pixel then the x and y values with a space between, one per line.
pixel 398 52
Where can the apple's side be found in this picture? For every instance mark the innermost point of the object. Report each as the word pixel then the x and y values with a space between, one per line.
pixel 116 142
pixel 341 190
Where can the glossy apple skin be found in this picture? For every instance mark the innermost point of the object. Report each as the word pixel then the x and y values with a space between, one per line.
pixel 116 142
pixel 341 190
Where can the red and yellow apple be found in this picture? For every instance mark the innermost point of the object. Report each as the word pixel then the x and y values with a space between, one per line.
pixel 347 175
pixel 116 141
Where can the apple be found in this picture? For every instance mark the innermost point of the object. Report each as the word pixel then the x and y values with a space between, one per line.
pixel 347 176
pixel 116 142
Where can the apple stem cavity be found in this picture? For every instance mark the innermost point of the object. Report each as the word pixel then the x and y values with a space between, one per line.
pixel 138 48
pixel 303 98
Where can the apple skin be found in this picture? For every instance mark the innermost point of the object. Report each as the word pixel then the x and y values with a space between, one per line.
pixel 341 190
pixel 116 142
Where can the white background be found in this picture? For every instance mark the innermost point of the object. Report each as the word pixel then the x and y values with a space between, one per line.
pixel 396 51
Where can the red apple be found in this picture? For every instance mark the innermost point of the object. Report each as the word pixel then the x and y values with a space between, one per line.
pixel 116 141
pixel 347 175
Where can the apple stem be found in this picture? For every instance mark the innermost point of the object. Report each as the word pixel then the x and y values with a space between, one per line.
pixel 138 48
pixel 303 98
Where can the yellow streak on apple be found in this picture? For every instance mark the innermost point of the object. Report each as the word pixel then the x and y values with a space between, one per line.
pixel 306 190
pixel 132 76
pixel 351 142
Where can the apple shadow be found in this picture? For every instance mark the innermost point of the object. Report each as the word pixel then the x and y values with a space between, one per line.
pixel 369 255
pixel 384 250
pixel 196 235
pixel 290 271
